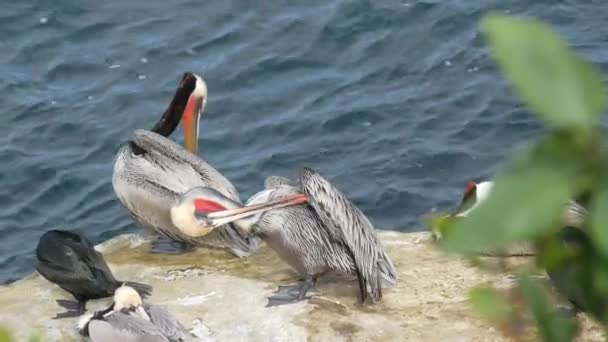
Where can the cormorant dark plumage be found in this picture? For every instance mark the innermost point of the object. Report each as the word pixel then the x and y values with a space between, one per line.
pixel 69 260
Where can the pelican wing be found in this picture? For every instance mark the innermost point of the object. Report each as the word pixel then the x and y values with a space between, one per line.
pixel 272 182
pixel 275 187
pixel 152 177
pixel 125 328
pixel 347 224
pixel 167 324
pixel 157 144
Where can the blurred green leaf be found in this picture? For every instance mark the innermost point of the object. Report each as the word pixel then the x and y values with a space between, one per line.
pixel 489 303
pixel 599 220
pixel 5 335
pixel 522 205
pixel 550 326
pixel 439 222
pixel 557 84
pixel 552 252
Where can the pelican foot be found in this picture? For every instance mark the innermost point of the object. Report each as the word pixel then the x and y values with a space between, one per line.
pixel 167 246
pixel 288 294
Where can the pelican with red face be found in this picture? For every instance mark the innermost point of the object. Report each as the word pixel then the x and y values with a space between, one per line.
pixel 152 172
pixel 311 225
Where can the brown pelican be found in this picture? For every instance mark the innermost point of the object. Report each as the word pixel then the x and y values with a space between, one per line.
pixel 327 234
pixel 70 260
pixel 152 171
pixel 129 320
pixel 474 194
pixel 477 193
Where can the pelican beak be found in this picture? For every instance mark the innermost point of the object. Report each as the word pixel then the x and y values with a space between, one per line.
pixel 190 120
pixel 219 218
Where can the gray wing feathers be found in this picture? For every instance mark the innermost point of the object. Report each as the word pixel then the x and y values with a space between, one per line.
pixel 152 141
pixel 168 325
pixel 387 270
pixel 348 224
pixel 574 215
pixel 126 328
pixel 150 183
pixel 272 182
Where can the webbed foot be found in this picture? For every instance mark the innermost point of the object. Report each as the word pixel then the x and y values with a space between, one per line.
pixel 163 245
pixel 74 308
pixel 288 294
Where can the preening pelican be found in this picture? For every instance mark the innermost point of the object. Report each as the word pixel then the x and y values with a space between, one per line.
pixel 311 225
pixel 129 320
pixel 70 260
pixel 151 172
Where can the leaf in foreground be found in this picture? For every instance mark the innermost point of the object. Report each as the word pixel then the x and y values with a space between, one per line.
pixel 557 84
pixel 489 304
pixel 5 335
pixel 599 220
pixel 551 327
pixel 521 206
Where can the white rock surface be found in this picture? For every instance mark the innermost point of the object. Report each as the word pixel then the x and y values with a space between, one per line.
pixel 223 298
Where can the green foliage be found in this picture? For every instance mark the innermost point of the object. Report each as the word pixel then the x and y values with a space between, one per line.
pixel 556 83
pixel 527 204
pixel 551 326
pixel 489 303
pixel 599 217
pixel 6 336
pixel 530 199
pixel 440 223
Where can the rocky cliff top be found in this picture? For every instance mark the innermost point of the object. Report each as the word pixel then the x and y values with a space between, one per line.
pixel 223 298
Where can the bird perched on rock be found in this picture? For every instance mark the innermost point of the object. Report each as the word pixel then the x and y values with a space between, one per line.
pixel 70 261
pixel 311 225
pixel 477 193
pixel 128 319
pixel 152 171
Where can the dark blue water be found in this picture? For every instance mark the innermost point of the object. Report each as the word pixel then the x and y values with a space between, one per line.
pixel 397 102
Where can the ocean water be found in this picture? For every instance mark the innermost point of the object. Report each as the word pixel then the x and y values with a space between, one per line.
pixel 396 102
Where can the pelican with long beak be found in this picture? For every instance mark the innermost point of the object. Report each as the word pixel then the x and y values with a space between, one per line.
pixel 151 172
pixel 312 226
pixel 129 320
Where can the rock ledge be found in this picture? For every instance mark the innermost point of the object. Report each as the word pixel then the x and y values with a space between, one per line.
pixel 223 298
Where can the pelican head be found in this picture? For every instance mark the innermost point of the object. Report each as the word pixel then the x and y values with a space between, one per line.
pixel 474 195
pixel 187 105
pixel 202 209
pixel 126 297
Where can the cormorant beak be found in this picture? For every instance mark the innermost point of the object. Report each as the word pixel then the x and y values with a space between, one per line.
pixel 220 218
